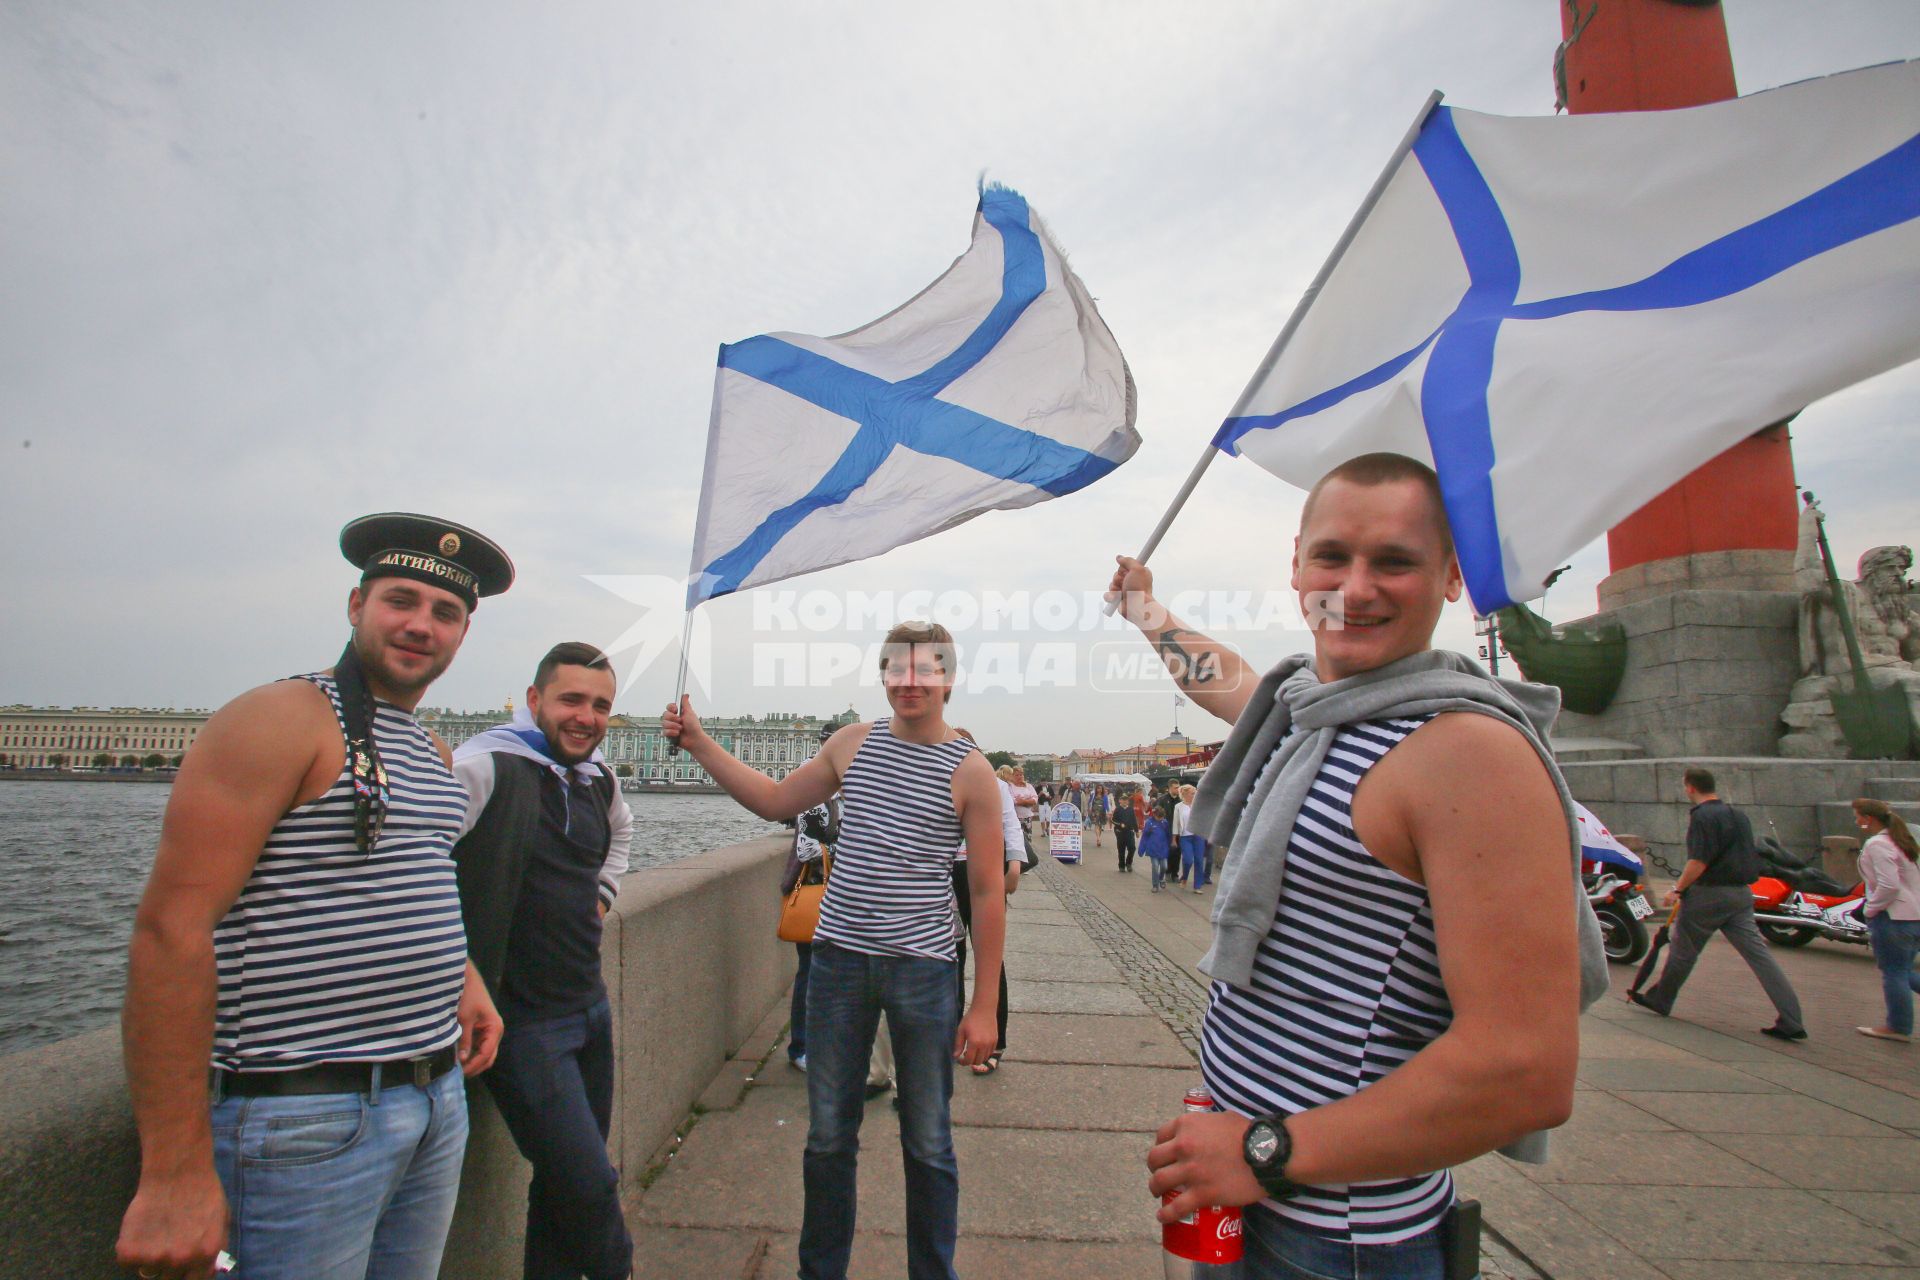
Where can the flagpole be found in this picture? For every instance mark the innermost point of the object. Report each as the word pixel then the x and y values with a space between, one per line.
pixel 1293 322
pixel 680 684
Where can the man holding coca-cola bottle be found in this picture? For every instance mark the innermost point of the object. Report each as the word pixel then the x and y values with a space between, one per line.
pixel 1399 955
pixel 912 790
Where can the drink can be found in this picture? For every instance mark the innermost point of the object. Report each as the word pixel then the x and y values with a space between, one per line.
pixel 1212 1234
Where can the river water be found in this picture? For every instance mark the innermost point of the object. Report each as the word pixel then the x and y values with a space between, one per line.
pixel 74 858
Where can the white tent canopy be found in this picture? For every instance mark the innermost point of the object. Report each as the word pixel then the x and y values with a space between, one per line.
pixel 1114 779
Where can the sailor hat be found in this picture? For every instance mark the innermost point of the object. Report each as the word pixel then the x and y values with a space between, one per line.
pixel 440 553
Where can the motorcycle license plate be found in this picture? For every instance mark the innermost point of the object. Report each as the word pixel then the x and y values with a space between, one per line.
pixel 1639 906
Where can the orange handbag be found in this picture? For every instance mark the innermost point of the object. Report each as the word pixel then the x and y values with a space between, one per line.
pixel 800 910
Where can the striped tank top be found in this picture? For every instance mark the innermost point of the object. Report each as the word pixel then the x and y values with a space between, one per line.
pixel 891 890
pixel 331 955
pixel 1346 987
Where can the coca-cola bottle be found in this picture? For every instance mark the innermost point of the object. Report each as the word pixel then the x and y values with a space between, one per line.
pixel 1207 1241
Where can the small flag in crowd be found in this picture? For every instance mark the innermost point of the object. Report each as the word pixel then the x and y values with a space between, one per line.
pixel 997 386
pixel 1566 315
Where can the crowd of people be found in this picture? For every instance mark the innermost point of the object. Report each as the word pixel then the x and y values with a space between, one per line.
pixel 346 920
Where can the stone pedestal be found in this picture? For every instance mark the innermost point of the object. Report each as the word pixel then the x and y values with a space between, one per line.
pixel 1813 732
pixel 1708 672
pixel 1700 571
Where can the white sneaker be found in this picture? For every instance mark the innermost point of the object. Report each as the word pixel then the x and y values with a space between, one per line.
pixel 798 1064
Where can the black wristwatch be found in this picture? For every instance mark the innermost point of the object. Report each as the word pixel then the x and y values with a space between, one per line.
pixel 1267 1148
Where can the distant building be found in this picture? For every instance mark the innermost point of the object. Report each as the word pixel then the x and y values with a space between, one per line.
pixel 31 737
pixel 776 743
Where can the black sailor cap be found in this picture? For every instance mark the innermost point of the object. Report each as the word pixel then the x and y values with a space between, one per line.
pixel 398 544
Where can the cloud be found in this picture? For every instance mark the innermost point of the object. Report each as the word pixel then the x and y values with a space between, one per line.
pixel 263 274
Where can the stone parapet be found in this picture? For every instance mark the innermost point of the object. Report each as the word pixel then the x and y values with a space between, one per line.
pixel 692 966
pixel 1799 801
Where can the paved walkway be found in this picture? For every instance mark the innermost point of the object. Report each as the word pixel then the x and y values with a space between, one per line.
pixel 1698 1148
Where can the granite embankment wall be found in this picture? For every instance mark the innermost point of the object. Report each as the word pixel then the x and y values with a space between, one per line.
pixel 692 966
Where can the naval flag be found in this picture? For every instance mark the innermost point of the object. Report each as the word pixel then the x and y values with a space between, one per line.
pixel 1565 315
pixel 997 386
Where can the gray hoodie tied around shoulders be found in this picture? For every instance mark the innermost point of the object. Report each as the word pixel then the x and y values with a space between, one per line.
pixel 1248 808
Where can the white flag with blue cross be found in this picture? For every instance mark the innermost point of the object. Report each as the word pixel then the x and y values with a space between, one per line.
pixel 997 386
pixel 1566 315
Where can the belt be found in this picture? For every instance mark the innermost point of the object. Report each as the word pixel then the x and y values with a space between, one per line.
pixel 334 1077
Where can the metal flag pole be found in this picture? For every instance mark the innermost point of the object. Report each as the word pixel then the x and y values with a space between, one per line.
pixel 1293 322
pixel 680 684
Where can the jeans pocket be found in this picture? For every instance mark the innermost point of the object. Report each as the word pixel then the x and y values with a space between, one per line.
pixel 284 1140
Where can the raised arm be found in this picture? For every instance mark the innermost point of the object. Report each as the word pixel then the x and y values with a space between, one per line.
pixel 257 758
pixel 1217 678
pixel 812 783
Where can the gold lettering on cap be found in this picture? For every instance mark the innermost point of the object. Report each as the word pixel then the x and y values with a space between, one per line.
pixel 423 563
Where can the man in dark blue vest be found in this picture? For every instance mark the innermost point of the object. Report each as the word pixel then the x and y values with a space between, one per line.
pixel 539 861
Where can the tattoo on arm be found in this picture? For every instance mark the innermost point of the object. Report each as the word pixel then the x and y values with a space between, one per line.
pixel 1182 665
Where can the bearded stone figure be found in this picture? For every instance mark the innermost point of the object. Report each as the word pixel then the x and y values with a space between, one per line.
pixel 1881 603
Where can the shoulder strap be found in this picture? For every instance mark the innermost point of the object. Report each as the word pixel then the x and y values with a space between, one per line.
pixel 370 791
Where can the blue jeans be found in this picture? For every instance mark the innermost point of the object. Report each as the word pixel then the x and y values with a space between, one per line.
pixel 553 1081
pixel 846 993
pixel 1193 850
pixel 342 1186
pixel 797 1005
pixel 1159 866
pixel 1277 1250
pixel 1894 944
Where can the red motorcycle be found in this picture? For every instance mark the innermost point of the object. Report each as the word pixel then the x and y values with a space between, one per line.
pixel 1795 902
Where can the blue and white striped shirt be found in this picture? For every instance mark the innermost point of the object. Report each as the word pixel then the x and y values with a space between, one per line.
pixel 1346 987
pixel 891 890
pixel 331 955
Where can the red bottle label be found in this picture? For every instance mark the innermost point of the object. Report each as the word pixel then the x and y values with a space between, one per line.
pixel 1210 1235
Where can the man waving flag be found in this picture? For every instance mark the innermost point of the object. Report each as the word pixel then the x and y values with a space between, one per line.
pixel 1566 315
pixel 997 386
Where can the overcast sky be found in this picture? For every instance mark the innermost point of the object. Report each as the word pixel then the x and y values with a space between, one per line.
pixel 265 268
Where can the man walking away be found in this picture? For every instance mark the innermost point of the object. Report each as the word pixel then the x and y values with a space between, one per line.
pixel 540 857
pixel 1715 896
pixel 1125 824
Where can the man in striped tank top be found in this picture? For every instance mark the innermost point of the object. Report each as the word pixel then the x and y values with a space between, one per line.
pixel 1410 999
pixel 911 790
pixel 301 931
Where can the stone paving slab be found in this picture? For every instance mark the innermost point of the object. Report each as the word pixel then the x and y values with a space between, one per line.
pixel 1599 1112
pixel 1058 968
pixel 884 1257
pixel 1690 1269
pixel 1895 1212
pixel 1788 1113
pixel 1600 1039
pixel 1700 1042
pixel 1039 919
pixel 1669 1159
pixel 1046 940
pixel 713 1253
pixel 1831 1164
pixel 1845 1092
pixel 1752 1224
pixel 1036 1095
pixel 1555 1238
pixel 1674 1077
pixel 1072 997
pixel 1079 1037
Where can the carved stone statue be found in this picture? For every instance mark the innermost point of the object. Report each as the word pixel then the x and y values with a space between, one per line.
pixel 1881 603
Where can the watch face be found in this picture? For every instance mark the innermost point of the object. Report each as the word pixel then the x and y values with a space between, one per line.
pixel 1262 1142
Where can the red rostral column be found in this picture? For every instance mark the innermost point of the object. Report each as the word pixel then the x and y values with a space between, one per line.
pixel 1654 55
